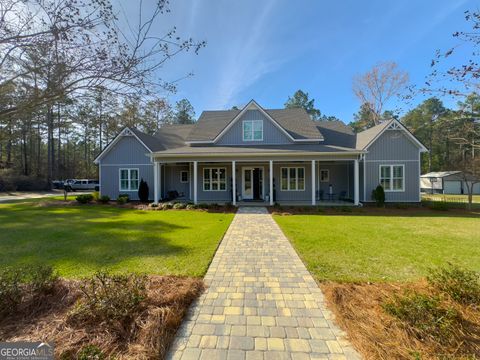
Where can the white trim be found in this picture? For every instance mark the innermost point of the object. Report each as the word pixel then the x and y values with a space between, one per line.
pixel 234 184
pixel 128 180
pixel 314 197
pixel 124 132
pixel 364 177
pixel 270 173
pixel 195 182
pixel 356 187
pixel 217 180
pixel 387 160
pixel 320 175
pixel 253 131
pixel 405 130
pixel 127 164
pixel 188 177
pixel 296 178
pixel 391 177
pixel 155 182
pixel 419 175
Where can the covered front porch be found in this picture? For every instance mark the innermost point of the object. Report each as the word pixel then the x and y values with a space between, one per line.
pixel 328 182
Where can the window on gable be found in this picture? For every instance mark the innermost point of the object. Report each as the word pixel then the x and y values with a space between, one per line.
pixel 292 178
pixel 128 179
pixel 252 130
pixel 392 177
pixel 184 176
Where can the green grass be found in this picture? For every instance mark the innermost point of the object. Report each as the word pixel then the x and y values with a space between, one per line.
pixel 451 198
pixel 78 240
pixel 363 247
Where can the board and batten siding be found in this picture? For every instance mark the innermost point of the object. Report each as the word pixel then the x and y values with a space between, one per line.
pixel 272 135
pixel 172 181
pixel 393 147
pixel 128 152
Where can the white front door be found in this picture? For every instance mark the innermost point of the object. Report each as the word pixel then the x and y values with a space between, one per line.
pixel 247 183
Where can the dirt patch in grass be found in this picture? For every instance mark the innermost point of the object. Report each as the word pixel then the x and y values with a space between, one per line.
pixel 360 312
pixel 46 319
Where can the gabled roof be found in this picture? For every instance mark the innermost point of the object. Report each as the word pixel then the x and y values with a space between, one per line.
pixel 367 137
pixel 440 174
pixel 295 123
pixel 337 133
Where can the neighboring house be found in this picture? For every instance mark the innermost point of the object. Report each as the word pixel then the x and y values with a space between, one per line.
pixel 275 155
pixel 446 182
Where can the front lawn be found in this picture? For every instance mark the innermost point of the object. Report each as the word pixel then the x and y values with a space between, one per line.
pixel 395 245
pixel 78 240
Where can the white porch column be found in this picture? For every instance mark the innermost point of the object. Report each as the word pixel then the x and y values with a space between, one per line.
pixel 234 184
pixel 271 182
pixel 313 183
pixel 155 182
pixel 356 183
pixel 195 166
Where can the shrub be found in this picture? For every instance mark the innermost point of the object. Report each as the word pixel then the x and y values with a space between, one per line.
pixel 379 195
pixel 439 206
pixel 154 205
pixel 460 284
pixel 104 199
pixel 167 206
pixel 90 352
pixel 143 191
pixel 96 195
pixel 84 198
pixel 190 207
pixel 125 196
pixel 179 205
pixel 16 283
pixel 203 206
pixel 10 290
pixel 424 315
pixel 113 299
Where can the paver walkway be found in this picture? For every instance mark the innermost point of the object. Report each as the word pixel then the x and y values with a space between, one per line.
pixel 261 302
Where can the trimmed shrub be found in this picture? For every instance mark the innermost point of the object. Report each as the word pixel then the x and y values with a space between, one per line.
pixel 104 199
pixel 96 195
pixel 84 198
pixel 190 207
pixel 123 199
pixel 424 315
pixel 179 205
pixel 153 205
pixel 90 352
pixel 203 206
pixel 461 285
pixel 143 191
pixel 379 195
pixel 10 290
pixel 167 206
pixel 110 298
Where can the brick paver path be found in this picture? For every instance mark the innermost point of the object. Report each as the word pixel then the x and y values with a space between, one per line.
pixel 261 302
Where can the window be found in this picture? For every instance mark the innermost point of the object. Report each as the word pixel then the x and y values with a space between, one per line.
pixel 128 179
pixel 184 176
pixel 253 130
pixel 392 177
pixel 324 175
pixel 292 178
pixel 214 179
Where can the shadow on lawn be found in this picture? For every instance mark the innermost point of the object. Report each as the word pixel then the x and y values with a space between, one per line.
pixel 92 237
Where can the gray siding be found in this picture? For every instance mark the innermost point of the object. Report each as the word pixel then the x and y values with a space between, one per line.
pixel 110 180
pixel 393 145
pixel 341 178
pixel 171 178
pixel 220 196
pixel 271 133
pixel 128 152
pixel 286 196
pixel 391 148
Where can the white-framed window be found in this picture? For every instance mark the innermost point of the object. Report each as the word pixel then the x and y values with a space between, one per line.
pixel 324 175
pixel 128 179
pixel 292 178
pixel 184 176
pixel 214 179
pixel 392 177
pixel 252 130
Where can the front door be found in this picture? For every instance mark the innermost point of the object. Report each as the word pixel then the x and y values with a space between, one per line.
pixel 252 183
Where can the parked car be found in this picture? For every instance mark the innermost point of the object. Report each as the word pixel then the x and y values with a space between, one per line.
pixel 58 184
pixel 82 184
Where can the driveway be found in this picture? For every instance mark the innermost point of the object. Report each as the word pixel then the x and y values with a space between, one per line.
pixel 261 302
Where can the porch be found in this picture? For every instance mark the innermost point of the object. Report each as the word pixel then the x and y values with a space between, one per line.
pixel 326 182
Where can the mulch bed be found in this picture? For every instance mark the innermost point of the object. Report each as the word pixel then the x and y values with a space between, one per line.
pixel 378 335
pixel 154 327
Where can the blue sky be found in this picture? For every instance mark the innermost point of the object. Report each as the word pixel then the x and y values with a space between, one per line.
pixel 267 49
